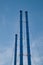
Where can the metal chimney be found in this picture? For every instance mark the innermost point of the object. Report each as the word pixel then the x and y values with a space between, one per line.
pixel 15 57
pixel 21 40
pixel 27 34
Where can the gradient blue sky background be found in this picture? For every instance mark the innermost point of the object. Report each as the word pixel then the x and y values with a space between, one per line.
pixel 9 26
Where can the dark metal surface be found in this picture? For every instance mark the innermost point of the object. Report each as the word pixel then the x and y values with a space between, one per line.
pixel 21 40
pixel 15 57
pixel 27 34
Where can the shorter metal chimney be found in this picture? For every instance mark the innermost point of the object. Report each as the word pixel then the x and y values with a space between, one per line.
pixel 15 57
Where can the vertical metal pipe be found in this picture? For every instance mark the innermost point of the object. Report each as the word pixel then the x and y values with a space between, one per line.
pixel 27 34
pixel 21 41
pixel 15 57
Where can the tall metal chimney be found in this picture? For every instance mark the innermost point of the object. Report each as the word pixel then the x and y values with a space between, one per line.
pixel 15 57
pixel 21 41
pixel 27 34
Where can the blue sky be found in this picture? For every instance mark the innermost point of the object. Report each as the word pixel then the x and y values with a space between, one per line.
pixel 9 26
